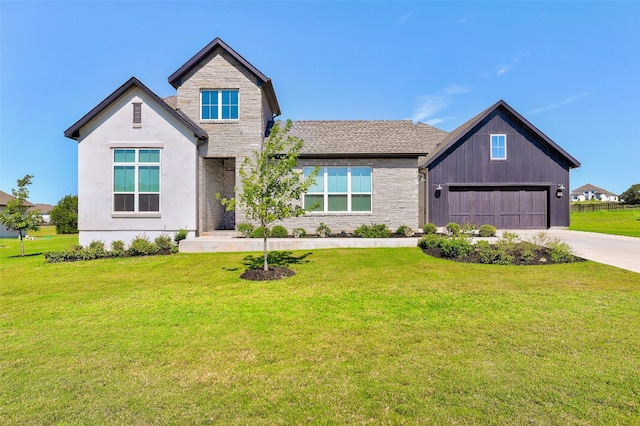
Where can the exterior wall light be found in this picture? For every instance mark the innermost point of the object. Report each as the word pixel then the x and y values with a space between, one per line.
pixel 439 187
pixel 559 191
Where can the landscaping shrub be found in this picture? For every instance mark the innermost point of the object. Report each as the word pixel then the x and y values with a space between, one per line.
pixel 453 228
pixel 487 231
pixel 163 243
pixel 405 230
pixel 142 246
pixel 323 230
pixel 299 232
pixel 429 241
pixel 508 242
pixel 259 232
pixel 429 228
pixel 279 231
pixel 117 249
pixel 180 235
pixel 373 231
pixel 245 229
pixel 561 252
pixel 468 228
pixel 456 247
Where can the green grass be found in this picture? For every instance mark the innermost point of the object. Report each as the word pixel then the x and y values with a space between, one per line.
pixel 616 222
pixel 378 336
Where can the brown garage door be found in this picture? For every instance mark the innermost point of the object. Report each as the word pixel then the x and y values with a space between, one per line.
pixel 502 208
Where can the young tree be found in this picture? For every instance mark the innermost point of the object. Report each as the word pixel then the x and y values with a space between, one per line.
pixel 16 216
pixel 631 195
pixel 271 188
pixel 65 215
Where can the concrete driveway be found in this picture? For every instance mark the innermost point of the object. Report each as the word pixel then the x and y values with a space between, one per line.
pixel 614 250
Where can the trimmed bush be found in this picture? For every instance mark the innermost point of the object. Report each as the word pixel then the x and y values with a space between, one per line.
pixel 163 243
pixel 456 247
pixel 259 232
pixel 245 229
pixel 487 231
pixel 142 246
pixel 468 228
pixel 373 231
pixel 561 252
pixel 430 241
pixel 299 233
pixel 429 228
pixel 279 231
pixel 180 235
pixel 453 228
pixel 323 230
pixel 405 230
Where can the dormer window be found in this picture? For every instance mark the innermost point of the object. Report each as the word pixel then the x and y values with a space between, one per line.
pixel 219 105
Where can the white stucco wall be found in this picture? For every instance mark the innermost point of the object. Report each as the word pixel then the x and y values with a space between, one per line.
pixel 113 128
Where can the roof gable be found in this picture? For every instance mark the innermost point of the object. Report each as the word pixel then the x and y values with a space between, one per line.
pixel 460 132
pixel 591 188
pixel 175 79
pixel 5 198
pixel 73 132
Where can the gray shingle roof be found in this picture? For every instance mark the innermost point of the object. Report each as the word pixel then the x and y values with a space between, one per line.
pixel 368 138
pixel 5 198
pixel 588 187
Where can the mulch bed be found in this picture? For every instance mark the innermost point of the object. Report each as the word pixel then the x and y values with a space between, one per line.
pixel 541 256
pixel 274 273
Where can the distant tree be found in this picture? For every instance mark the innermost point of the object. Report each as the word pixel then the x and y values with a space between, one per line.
pixel 65 215
pixel 271 188
pixel 631 195
pixel 16 216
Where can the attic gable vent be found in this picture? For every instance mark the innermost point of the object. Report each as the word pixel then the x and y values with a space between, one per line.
pixel 137 114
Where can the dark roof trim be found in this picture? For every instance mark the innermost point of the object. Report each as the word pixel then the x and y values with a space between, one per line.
pixel 73 132
pixel 175 78
pixel 462 131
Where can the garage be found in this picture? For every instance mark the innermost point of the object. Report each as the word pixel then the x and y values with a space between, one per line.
pixel 504 208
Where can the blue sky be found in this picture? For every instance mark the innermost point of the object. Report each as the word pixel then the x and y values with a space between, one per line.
pixel 571 68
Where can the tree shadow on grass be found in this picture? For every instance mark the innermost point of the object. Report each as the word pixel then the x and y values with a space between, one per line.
pixel 17 256
pixel 281 259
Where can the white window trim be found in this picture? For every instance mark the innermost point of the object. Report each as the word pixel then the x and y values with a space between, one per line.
pixel 491 146
pixel 232 120
pixel 348 193
pixel 136 163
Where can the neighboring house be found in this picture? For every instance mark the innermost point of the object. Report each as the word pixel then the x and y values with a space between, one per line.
pixel 590 192
pixel 148 165
pixel 4 199
pixel 45 211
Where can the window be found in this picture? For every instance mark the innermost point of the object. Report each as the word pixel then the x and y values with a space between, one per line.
pixel 136 180
pixel 219 105
pixel 340 189
pixel 498 147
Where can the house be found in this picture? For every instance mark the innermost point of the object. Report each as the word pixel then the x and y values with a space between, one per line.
pixel 45 211
pixel 4 200
pixel 148 165
pixel 590 192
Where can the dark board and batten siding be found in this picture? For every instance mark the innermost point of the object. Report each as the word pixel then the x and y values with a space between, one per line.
pixel 533 169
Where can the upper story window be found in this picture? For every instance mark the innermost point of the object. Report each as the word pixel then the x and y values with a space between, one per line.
pixel 340 189
pixel 219 105
pixel 136 180
pixel 498 147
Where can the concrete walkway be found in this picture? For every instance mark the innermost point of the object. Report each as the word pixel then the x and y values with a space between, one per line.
pixel 614 250
pixel 622 252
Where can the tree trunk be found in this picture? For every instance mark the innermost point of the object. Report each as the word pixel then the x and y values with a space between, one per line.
pixel 266 265
pixel 21 242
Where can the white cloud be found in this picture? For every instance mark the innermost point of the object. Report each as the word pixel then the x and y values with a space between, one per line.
pixel 504 69
pixel 558 104
pixel 404 18
pixel 429 106
pixel 466 18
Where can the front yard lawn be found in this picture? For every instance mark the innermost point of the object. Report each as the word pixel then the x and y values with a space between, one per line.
pixel 356 336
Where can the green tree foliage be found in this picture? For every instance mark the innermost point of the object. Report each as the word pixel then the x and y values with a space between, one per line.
pixel 631 195
pixel 271 187
pixel 65 215
pixel 16 216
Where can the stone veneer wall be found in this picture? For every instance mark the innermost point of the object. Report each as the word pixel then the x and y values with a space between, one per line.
pixel 394 198
pixel 217 175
